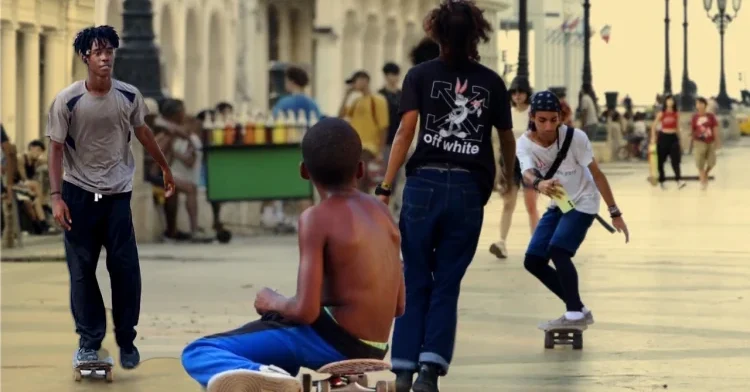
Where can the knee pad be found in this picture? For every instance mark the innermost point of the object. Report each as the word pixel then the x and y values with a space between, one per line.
pixel 533 263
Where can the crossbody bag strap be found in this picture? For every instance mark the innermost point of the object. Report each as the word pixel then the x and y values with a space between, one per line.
pixel 561 154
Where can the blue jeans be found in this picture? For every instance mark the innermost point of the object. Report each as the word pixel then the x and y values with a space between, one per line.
pixel 274 341
pixel 558 237
pixel 441 220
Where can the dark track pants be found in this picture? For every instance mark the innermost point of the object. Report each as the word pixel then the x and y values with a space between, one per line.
pixel 95 223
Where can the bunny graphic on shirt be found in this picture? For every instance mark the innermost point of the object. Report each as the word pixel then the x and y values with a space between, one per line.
pixel 461 112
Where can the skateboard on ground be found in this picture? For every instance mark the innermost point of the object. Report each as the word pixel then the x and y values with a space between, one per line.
pixel 349 376
pixel 101 368
pixel 652 164
pixel 567 335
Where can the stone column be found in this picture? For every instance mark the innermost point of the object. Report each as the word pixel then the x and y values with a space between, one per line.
pixel 54 79
pixel 9 60
pixel 488 51
pixel 31 72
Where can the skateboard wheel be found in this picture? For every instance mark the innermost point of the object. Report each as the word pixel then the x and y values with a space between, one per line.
pixel 109 376
pixel 77 375
pixel 549 340
pixel 385 386
pixel 577 341
pixel 324 386
pixel 306 383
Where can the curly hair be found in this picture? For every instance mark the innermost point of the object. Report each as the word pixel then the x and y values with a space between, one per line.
pixel 103 35
pixel 426 50
pixel 458 26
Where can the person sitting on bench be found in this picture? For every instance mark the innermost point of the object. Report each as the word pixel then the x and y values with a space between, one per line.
pixel 350 284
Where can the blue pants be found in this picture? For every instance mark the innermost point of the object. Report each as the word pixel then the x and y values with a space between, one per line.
pixel 273 341
pixel 97 222
pixel 558 237
pixel 441 220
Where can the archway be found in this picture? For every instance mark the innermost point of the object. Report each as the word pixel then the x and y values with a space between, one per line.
pixel 192 63
pixel 114 15
pixel 216 74
pixel 350 32
pixel 166 43
pixel 411 38
pixel 390 41
pixel 370 56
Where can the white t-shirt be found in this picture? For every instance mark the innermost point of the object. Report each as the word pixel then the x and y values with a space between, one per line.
pixel 520 121
pixel 179 169
pixel 573 173
pixel 587 104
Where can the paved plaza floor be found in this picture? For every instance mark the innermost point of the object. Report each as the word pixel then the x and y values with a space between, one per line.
pixel 672 308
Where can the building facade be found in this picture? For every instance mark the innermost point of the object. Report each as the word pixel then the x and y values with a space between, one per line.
pixel 37 60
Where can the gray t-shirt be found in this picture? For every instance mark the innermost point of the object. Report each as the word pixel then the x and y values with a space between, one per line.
pixel 96 132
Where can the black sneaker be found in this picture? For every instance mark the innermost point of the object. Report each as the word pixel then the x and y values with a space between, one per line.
pixel 427 381
pixel 404 379
pixel 129 357
pixel 86 355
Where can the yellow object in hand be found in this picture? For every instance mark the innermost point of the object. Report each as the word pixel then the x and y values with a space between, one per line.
pixel 563 200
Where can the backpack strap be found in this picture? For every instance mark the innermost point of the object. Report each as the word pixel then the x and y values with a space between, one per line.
pixel 561 154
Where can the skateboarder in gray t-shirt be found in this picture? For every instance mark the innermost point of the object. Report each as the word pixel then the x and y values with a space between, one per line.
pixel 90 127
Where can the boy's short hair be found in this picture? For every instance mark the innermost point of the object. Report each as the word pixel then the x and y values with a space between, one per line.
pixel 331 151
pixel 297 75
pixel 391 69
pixel 702 100
pixel 37 143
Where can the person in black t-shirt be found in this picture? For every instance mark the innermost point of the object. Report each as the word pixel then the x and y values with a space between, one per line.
pixel 450 177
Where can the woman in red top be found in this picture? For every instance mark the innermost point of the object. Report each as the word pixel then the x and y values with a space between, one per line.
pixel 668 141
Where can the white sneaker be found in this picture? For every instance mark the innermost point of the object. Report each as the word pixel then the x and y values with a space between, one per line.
pixel 498 249
pixel 268 378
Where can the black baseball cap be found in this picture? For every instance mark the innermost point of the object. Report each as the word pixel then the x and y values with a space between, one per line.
pixel 357 75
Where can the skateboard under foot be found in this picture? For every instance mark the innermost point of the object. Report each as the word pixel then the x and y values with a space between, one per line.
pixel 349 376
pixel 560 336
pixel 100 369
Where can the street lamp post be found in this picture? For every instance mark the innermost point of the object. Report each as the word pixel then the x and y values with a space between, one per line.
pixel 722 21
pixel 667 70
pixel 523 42
pixel 686 96
pixel 587 76
pixel 137 59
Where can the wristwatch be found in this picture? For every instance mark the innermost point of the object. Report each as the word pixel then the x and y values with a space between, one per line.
pixel 383 189
pixel 614 212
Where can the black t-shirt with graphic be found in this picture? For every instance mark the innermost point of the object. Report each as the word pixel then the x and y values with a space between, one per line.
pixel 457 109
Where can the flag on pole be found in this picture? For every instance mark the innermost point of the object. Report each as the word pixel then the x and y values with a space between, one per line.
pixel 572 25
pixel 606 32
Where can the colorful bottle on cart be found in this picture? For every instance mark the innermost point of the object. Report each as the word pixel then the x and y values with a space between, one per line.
pixel 301 124
pixel 230 132
pixel 313 120
pixel 218 131
pixel 249 134
pixel 279 129
pixel 291 127
pixel 269 128
pixel 260 128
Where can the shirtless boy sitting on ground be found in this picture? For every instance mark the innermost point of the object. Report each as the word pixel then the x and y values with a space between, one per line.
pixel 350 284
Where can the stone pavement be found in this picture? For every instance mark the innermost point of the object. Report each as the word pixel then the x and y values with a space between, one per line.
pixel 667 305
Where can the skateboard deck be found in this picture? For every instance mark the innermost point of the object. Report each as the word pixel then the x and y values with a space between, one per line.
pixel 652 164
pixel 564 202
pixel 348 376
pixel 564 336
pixel 101 368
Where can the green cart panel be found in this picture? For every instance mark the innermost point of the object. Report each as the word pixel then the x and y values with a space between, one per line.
pixel 247 172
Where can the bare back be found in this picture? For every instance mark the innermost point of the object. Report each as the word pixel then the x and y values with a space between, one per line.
pixel 362 273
